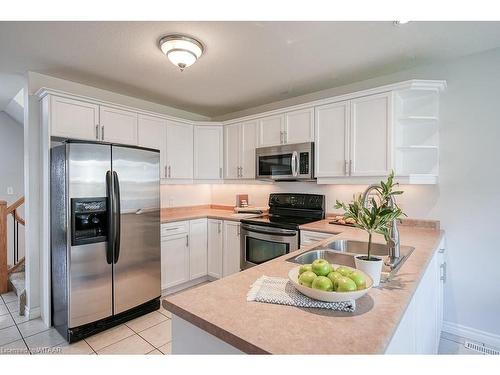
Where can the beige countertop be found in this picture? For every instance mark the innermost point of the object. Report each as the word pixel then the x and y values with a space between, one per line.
pixel 221 309
pixel 169 215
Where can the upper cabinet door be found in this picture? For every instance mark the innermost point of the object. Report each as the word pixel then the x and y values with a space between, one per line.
pixel 118 125
pixel 248 143
pixel 371 135
pixel 208 152
pixel 152 133
pixel 179 150
pixel 271 130
pixel 331 143
pixel 299 126
pixel 74 119
pixel 232 151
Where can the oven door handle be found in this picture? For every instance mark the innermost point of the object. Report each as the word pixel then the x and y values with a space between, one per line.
pixel 279 232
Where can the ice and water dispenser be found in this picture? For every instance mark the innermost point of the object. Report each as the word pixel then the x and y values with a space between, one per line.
pixel 89 220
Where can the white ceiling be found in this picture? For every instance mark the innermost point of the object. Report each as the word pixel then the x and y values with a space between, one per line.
pixel 246 63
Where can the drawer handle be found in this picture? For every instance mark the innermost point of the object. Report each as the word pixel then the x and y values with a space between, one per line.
pixel 175 228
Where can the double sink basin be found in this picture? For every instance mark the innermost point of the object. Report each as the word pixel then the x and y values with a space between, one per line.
pixel 343 252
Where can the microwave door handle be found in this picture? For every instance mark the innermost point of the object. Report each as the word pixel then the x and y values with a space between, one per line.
pixel 294 164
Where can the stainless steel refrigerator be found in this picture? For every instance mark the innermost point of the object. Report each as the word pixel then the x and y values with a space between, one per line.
pixel 105 236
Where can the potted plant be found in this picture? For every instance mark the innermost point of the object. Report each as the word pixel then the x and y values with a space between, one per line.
pixel 376 217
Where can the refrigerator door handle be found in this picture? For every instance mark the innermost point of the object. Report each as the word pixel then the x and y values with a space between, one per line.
pixel 111 234
pixel 116 216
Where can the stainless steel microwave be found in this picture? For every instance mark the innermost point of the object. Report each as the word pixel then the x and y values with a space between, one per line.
pixel 285 163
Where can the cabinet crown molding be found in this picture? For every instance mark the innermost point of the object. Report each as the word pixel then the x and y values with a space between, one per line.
pixel 414 84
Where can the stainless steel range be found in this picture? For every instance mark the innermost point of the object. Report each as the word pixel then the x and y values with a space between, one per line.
pixel 273 235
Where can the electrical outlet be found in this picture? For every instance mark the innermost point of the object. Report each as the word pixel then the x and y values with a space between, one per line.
pixel 10 190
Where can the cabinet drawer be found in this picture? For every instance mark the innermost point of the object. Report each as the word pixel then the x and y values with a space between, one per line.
pixel 308 238
pixel 172 229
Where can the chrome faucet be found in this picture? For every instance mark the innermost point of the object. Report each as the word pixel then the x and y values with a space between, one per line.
pixel 393 243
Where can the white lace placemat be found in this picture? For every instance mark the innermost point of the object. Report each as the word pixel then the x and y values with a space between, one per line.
pixel 282 292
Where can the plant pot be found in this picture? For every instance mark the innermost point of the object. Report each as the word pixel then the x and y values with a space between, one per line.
pixel 372 267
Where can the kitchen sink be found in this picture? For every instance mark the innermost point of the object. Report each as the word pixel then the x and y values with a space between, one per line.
pixel 329 255
pixel 343 252
pixel 360 247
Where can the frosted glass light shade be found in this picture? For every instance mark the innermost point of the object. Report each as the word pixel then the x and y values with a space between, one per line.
pixel 182 51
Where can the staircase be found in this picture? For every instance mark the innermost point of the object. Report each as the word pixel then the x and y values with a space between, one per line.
pixel 12 277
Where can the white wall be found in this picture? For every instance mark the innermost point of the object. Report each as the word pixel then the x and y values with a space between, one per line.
pixel 12 175
pixel 467 199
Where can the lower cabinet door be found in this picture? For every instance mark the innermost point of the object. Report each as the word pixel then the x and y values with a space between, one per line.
pixel 419 329
pixel 197 248
pixel 215 244
pixel 174 260
pixel 231 248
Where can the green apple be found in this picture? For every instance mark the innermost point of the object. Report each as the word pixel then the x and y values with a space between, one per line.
pixel 334 276
pixel 358 278
pixel 344 271
pixel 321 267
pixel 307 278
pixel 345 284
pixel 305 267
pixel 323 283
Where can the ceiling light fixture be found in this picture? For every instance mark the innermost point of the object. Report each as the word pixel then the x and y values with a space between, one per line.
pixel 397 23
pixel 181 50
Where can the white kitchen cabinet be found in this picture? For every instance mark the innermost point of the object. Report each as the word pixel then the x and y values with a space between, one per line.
pixel 179 150
pixel 371 135
pixel 197 248
pixel 354 137
pixel 215 245
pixel 231 248
pixel 239 150
pixel 309 237
pixel 332 139
pixel 299 126
pixel 174 260
pixel 248 143
pixel 271 130
pixel 419 330
pixel 208 152
pixel 75 119
pixel 152 133
pixel 232 151
pixel 290 127
pixel 118 125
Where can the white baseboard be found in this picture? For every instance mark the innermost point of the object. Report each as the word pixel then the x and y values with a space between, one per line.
pixel 486 338
pixel 33 313
pixel 178 288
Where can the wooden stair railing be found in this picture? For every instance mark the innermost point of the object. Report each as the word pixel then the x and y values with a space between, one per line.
pixel 4 213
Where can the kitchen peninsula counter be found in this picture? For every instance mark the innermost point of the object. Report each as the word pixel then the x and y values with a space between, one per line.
pixel 220 310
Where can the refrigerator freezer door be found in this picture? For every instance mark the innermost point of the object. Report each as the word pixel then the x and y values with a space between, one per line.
pixel 90 275
pixel 137 268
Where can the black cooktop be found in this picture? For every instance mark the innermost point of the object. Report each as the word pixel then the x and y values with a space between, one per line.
pixel 277 221
pixel 290 210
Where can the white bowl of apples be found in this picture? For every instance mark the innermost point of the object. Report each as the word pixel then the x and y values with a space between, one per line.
pixel 330 282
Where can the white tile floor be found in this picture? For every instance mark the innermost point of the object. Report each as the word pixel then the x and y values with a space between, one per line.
pixel 148 334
